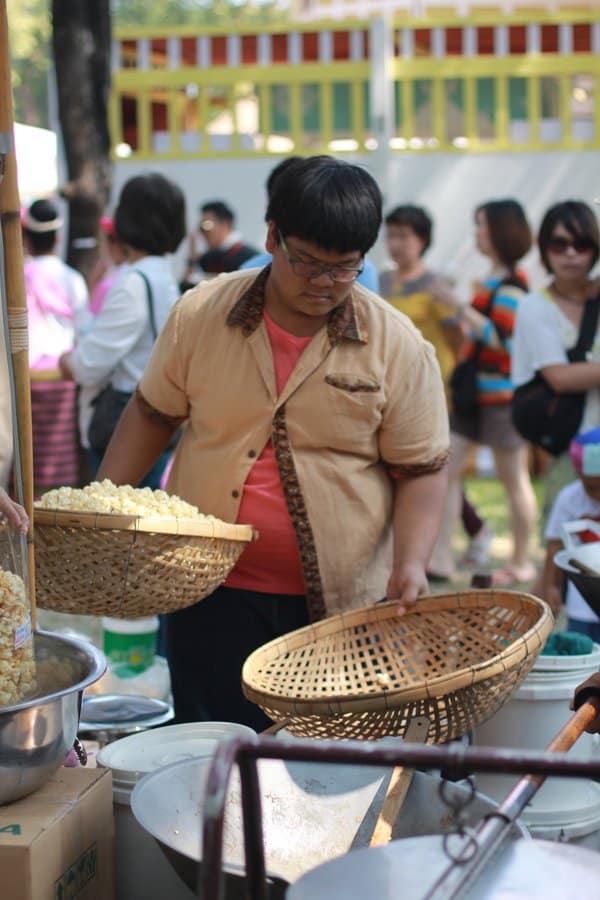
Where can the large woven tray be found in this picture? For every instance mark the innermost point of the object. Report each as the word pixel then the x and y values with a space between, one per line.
pixel 125 566
pixel 455 658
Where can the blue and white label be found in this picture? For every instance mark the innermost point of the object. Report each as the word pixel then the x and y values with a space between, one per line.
pixel 22 633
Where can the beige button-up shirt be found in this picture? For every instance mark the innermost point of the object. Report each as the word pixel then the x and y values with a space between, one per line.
pixel 365 400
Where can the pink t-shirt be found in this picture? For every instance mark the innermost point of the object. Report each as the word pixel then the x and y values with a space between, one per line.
pixel 272 563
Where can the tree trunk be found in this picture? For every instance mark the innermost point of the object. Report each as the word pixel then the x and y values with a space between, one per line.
pixel 81 40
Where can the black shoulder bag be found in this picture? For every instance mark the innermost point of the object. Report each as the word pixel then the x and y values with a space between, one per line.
pixel 542 416
pixel 110 403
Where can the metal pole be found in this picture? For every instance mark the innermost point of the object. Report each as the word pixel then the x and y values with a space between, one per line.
pixel 455 759
pixel 459 876
pixel 381 54
pixel 256 874
pixel 14 302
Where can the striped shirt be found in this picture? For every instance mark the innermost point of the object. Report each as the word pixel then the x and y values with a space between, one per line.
pixel 494 384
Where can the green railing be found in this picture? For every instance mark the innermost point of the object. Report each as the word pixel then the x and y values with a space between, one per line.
pixel 487 83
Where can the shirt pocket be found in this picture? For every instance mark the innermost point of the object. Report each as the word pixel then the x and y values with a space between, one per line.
pixel 356 400
pixel 353 384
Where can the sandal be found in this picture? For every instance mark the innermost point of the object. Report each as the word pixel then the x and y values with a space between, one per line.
pixel 513 575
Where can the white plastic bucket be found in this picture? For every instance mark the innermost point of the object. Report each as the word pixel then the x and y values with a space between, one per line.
pixel 563 809
pixel 141 870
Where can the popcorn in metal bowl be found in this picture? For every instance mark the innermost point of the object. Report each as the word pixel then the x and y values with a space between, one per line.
pixel 17 666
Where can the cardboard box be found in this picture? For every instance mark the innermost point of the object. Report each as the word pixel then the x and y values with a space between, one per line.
pixel 58 843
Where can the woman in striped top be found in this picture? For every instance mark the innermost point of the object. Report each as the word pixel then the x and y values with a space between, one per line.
pixel 504 236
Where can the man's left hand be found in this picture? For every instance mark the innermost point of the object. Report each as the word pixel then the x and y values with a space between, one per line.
pixel 406 583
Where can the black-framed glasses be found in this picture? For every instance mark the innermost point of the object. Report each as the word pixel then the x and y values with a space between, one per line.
pixel 578 244
pixel 310 270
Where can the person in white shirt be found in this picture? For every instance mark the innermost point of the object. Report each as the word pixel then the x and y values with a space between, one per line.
pixel 578 500
pixel 548 321
pixel 150 223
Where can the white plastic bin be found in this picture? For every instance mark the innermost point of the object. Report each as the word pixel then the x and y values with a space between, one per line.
pixel 142 872
pixel 563 809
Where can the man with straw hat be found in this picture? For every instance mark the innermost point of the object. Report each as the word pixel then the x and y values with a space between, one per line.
pixel 313 411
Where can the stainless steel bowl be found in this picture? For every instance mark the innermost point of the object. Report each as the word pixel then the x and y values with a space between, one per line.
pixel 311 813
pixel 587 585
pixel 37 734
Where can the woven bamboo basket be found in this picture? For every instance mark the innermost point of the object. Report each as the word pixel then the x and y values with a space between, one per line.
pixel 125 566
pixel 454 658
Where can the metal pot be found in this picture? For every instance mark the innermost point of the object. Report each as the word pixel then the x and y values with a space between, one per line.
pixel 412 869
pixel 311 813
pixel 587 585
pixel 37 734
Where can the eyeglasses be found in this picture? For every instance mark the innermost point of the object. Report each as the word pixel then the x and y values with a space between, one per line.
pixel 578 244
pixel 310 270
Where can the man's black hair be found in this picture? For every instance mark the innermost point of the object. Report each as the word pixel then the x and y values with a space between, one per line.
pixel 578 219
pixel 150 214
pixel 333 204
pixel 219 210
pixel 415 218
pixel 278 170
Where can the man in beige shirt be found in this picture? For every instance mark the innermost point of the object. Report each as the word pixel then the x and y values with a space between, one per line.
pixel 314 411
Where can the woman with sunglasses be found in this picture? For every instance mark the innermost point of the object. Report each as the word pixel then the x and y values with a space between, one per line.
pixel 548 322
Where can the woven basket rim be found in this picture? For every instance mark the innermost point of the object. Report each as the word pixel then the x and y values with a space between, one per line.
pixel 183 527
pixel 530 641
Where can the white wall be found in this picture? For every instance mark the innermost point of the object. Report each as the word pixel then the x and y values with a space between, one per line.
pixel 450 186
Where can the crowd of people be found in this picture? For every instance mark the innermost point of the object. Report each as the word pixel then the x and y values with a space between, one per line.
pixel 332 406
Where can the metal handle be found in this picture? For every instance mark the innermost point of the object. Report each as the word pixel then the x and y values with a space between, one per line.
pixel 457 879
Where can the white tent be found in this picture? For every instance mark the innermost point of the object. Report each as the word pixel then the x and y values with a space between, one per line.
pixel 37 163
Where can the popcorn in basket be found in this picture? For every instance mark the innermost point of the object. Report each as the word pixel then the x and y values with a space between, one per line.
pixel 127 552
pixel 104 496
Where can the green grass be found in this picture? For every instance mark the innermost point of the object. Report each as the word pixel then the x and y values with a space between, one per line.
pixel 488 497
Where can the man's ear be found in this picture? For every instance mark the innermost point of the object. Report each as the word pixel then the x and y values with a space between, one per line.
pixel 272 239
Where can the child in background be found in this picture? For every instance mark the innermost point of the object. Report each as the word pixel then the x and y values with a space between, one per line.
pixel 579 499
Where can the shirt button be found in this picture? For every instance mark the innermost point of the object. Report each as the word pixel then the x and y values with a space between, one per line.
pixel 251 453
pixel 235 494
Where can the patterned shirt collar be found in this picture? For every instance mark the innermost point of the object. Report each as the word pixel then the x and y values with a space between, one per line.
pixel 344 321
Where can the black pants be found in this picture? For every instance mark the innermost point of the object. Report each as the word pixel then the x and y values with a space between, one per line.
pixel 208 643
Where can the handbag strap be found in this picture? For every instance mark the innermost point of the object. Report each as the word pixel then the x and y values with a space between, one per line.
pixel 587 330
pixel 149 300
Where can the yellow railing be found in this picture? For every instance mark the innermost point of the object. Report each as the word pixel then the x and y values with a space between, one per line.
pixel 189 95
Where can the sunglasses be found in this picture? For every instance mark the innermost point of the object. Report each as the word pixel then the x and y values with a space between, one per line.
pixel 578 244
